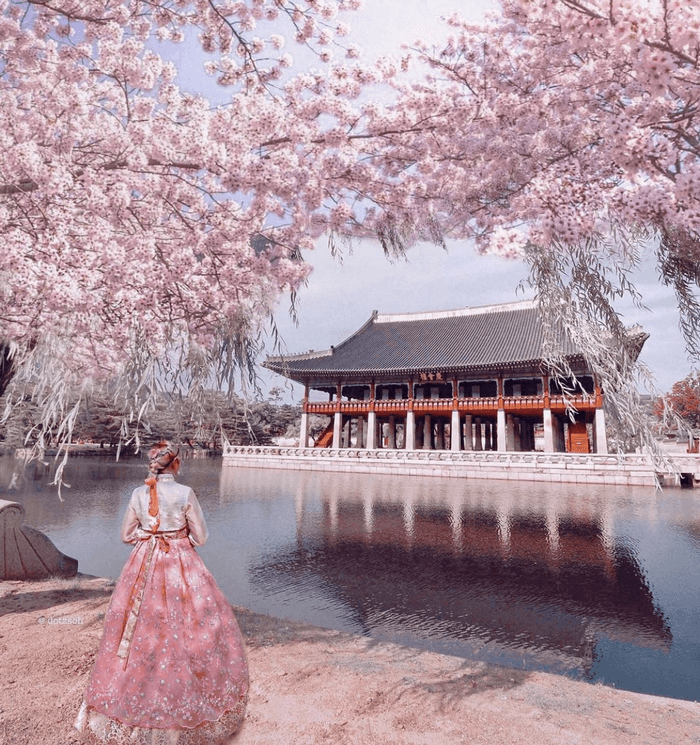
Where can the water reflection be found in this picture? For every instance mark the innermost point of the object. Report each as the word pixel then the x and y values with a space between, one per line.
pixel 504 573
pixel 597 582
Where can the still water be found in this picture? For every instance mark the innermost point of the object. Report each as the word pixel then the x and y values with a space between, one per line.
pixel 599 583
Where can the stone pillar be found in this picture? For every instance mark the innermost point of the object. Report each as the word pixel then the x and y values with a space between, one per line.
pixel 468 437
pixel 371 430
pixel 427 432
pixel 517 441
pixel 487 436
pixel 392 433
pixel 455 431
pixel 361 439
pixel 440 434
pixel 419 433
pixel 410 434
pixel 478 443
pixel 304 430
pixel 548 431
pixel 337 429
pixel 510 433
pixel 559 438
pixel 346 433
pixel 501 438
pixel 304 427
pixel 599 435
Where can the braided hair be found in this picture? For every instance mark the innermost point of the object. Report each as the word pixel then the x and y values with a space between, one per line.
pixel 162 456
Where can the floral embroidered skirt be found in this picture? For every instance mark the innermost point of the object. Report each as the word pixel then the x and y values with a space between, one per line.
pixel 171 667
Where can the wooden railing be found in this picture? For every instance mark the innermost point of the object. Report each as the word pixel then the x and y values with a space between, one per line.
pixel 525 405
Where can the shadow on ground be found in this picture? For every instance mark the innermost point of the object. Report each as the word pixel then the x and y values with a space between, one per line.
pixel 42 599
pixel 451 685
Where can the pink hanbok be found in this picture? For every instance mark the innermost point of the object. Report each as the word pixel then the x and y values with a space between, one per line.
pixel 171 667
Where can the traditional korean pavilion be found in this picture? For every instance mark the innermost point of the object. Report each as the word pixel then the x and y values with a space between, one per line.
pixel 466 379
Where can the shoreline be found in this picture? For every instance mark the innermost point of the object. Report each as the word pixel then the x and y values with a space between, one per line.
pixel 313 686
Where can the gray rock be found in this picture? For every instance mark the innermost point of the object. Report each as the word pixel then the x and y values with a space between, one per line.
pixel 26 553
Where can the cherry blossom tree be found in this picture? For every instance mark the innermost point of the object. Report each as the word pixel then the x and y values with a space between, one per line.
pixel 566 132
pixel 683 401
pixel 147 234
pixel 554 123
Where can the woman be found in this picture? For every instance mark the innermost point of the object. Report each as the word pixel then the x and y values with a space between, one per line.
pixel 171 666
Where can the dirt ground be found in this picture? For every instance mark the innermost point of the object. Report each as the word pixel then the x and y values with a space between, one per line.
pixel 310 686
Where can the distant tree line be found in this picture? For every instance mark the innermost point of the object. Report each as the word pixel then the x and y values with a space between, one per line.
pixel 197 420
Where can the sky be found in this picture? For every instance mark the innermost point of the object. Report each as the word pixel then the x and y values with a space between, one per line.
pixel 341 294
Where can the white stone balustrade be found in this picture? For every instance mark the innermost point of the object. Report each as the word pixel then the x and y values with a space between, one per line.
pixel 622 470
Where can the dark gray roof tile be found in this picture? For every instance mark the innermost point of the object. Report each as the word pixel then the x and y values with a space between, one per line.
pixel 470 338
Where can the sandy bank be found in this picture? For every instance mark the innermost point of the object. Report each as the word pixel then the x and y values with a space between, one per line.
pixel 311 686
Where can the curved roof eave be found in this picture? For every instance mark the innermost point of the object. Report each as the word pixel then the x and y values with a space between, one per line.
pixel 309 374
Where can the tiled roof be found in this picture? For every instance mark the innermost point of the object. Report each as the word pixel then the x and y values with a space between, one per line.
pixel 494 336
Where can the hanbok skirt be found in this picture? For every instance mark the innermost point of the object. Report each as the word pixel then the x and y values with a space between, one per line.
pixel 171 666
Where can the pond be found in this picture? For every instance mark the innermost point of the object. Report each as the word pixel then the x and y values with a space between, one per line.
pixel 598 583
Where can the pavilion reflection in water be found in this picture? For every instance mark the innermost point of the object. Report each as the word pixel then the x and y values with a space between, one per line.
pixel 528 573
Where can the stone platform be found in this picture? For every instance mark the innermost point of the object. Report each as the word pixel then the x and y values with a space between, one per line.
pixel 628 469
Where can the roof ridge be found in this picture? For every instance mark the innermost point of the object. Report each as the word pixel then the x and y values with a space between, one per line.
pixel 430 315
pixel 310 355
